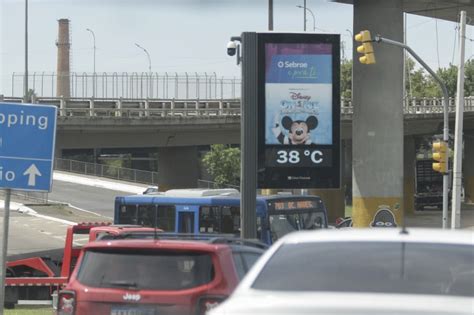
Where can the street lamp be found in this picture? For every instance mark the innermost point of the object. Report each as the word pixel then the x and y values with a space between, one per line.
pixel 93 74
pixel 93 37
pixel 147 54
pixel 312 14
pixel 149 87
pixel 348 30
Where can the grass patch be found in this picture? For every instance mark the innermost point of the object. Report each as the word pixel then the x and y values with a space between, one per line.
pixel 64 212
pixel 30 310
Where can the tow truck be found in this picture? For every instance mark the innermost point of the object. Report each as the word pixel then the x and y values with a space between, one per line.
pixel 37 275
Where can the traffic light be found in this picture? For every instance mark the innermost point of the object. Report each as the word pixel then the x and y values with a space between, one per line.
pixel 440 154
pixel 366 48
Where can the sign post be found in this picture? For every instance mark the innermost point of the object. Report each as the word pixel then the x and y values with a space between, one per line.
pixel 27 137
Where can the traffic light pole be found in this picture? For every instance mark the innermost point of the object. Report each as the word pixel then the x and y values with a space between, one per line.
pixel 380 39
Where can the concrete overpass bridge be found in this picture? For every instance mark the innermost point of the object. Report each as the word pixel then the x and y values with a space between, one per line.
pixel 174 132
pixel 120 122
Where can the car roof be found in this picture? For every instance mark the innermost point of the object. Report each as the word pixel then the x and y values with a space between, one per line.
pixel 126 229
pixel 414 235
pixel 423 235
pixel 155 244
pixel 209 244
pixel 342 303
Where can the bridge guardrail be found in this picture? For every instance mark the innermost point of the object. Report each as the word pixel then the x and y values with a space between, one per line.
pixel 108 171
pixel 156 108
pixel 132 85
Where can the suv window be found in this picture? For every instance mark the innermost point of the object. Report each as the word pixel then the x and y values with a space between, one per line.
pixel 409 268
pixel 145 270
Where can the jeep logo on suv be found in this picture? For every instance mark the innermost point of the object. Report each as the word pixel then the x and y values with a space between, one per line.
pixel 131 297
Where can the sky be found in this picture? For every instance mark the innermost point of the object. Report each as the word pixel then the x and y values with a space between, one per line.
pixel 181 35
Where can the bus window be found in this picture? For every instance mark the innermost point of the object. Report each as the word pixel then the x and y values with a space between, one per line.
pixel 146 215
pixel 286 222
pixel 166 218
pixel 231 220
pixel 209 219
pixel 186 222
pixel 128 214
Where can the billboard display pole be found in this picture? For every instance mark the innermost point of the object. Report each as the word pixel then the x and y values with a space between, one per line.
pixel 248 134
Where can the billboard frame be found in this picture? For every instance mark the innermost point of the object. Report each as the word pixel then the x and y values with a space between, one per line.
pixel 306 176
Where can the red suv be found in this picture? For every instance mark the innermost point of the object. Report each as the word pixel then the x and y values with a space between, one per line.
pixel 156 276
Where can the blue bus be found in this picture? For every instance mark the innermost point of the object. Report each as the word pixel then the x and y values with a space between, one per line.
pixel 218 211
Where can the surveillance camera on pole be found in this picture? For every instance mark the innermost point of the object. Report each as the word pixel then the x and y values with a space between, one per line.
pixel 233 48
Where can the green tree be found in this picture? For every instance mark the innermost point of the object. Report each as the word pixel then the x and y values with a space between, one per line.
pixel 415 83
pixel 469 78
pixel 223 164
pixel 346 79
pixel 449 76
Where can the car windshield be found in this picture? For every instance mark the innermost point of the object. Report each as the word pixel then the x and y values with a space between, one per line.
pixel 286 222
pixel 377 267
pixel 145 270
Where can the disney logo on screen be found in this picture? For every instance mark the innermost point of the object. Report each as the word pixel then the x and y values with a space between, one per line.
pixel 299 96
pixel 292 64
pixel 299 106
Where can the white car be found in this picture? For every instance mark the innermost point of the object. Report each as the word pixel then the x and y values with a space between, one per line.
pixel 381 271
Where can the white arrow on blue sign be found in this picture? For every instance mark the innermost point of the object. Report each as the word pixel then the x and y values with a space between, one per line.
pixel 27 138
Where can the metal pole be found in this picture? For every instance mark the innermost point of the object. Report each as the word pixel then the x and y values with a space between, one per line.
pixel 25 79
pixel 304 14
pixel 458 137
pixel 270 15
pixel 380 39
pixel 314 19
pixel 248 136
pixel 149 66
pixel 3 263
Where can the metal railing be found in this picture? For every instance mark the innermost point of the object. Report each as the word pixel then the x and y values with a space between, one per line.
pixel 162 108
pixel 108 171
pixel 132 85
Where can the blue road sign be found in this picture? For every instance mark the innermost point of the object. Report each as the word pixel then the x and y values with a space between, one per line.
pixel 27 137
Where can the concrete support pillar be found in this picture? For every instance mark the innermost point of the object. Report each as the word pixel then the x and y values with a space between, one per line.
pixel 91 107
pixel 377 180
pixel 62 107
pixel 409 161
pixel 118 112
pixel 333 200
pixel 178 167
pixel 468 167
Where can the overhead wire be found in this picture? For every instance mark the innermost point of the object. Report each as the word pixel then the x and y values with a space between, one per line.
pixel 456 30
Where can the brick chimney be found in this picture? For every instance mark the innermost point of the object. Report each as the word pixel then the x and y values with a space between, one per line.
pixel 63 71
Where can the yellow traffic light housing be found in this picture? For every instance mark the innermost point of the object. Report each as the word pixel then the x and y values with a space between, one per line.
pixel 366 48
pixel 440 154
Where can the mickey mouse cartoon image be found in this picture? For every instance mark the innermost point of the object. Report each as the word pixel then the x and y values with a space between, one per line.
pixel 298 130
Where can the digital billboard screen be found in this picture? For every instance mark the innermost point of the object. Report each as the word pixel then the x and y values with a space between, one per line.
pixel 299 114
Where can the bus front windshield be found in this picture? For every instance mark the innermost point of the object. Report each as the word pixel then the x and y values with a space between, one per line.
pixel 290 221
